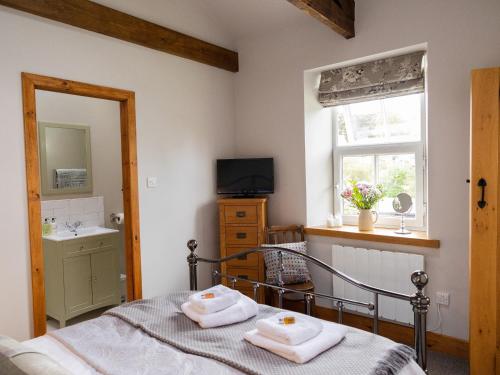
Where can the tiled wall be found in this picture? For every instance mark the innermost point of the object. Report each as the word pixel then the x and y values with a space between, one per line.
pixel 90 211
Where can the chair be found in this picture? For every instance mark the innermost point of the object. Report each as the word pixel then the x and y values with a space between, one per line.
pixel 286 234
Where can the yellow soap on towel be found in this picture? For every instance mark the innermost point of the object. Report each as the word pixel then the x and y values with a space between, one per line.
pixel 287 320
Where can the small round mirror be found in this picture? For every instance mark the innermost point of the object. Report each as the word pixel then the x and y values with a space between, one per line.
pixel 402 203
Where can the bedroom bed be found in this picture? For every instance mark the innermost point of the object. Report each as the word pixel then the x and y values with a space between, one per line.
pixel 154 337
pixel 159 358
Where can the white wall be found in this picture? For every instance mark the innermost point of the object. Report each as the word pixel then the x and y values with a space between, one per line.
pixel 185 121
pixel 461 35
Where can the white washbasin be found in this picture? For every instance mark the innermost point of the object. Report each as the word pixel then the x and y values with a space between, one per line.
pixel 80 233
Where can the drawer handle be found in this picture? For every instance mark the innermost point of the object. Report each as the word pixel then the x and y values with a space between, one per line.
pixel 242 257
pixel 241 235
pixel 241 214
pixel 243 277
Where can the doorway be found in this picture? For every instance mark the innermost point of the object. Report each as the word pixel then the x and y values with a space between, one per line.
pixel 131 238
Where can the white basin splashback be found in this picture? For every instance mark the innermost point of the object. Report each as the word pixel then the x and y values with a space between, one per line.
pixel 89 211
pixel 80 233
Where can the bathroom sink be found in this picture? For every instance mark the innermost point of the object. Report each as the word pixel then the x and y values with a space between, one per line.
pixel 83 232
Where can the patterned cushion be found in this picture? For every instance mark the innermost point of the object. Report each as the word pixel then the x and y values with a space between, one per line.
pixel 20 359
pixel 295 268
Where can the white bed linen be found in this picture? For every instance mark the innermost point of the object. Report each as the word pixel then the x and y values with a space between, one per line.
pixel 58 352
pixel 174 361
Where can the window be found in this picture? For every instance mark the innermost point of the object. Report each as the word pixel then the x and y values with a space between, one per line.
pixel 382 142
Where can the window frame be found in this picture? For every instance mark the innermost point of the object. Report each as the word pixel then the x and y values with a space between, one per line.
pixel 418 148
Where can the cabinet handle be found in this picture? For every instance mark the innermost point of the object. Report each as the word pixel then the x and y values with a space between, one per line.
pixel 101 243
pixel 82 247
pixel 242 257
pixel 241 214
pixel 243 277
pixel 241 235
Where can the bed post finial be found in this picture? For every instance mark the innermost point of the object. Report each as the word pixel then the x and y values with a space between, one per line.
pixel 193 264
pixel 420 303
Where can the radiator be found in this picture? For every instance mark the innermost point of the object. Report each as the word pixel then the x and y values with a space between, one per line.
pixel 383 269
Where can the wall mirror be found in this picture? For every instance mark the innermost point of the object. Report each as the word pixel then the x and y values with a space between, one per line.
pixel 65 158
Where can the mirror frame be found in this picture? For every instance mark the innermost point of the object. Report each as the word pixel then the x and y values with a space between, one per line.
pixel 31 83
pixel 47 188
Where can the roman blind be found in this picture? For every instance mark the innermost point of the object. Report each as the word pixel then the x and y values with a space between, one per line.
pixel 392 76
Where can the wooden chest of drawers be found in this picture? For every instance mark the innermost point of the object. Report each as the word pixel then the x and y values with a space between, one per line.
pixel 241 226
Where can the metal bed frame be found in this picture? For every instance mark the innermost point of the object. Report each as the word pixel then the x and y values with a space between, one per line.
pixel 419 301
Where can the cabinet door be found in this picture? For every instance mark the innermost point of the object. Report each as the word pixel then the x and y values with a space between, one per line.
pixel 77 283
pixel 105 277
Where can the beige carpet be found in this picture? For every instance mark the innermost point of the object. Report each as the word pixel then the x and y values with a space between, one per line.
pixel 443 364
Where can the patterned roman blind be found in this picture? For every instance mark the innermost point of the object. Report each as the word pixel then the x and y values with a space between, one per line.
pixel 393 76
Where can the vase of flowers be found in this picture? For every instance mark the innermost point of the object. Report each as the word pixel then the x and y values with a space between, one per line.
pixel 364 197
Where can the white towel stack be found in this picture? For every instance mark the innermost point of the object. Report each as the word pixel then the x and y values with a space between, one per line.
pixel 298 342
pixel 222 307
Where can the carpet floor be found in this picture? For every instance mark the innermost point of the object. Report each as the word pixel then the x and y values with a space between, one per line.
pixel 443 364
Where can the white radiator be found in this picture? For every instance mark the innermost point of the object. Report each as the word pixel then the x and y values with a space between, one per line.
pixel 383 269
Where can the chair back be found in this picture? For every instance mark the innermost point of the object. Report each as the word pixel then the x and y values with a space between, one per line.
pixel 277 234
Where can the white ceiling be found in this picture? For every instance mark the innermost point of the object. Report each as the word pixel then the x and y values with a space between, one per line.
pixel 243 18
pixel 218 21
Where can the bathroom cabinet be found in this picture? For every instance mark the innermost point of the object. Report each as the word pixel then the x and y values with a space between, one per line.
pixel 81 275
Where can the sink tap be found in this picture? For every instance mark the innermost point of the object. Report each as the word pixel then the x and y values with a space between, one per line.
pixel 73 227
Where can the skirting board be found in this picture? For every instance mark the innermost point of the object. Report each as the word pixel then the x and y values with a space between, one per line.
pixel 394 331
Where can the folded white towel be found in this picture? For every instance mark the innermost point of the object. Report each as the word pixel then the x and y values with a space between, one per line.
pixel 330 336
pixel 304 328
pixel 242 310
pixel 223 297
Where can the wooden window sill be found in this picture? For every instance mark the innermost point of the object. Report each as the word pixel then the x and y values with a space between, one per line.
pixel 384 235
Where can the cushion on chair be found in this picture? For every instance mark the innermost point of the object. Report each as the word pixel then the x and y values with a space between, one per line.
pixel 19 359
pixel 295 268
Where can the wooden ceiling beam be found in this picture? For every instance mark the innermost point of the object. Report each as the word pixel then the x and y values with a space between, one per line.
pixel 336 14
pixel 107 21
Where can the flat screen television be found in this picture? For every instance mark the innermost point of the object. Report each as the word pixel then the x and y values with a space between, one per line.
pixel 244 177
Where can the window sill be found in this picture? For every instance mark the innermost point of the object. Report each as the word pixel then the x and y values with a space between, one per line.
pixel 384 235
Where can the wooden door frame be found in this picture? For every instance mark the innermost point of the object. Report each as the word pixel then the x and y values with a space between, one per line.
pixel 30 83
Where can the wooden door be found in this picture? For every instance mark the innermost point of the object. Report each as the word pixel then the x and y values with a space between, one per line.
pixel 77 283
pixel 105 277
pixel 485 222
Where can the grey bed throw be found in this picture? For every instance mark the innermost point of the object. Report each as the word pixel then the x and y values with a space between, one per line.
pixel 360 353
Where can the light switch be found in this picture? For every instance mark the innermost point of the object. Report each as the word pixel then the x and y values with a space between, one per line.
pixel 152 182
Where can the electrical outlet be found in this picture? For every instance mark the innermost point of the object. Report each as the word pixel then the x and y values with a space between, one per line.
pixel 443 298
pixel 152 182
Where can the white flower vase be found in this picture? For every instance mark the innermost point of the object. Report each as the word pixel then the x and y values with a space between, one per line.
pixel 366 219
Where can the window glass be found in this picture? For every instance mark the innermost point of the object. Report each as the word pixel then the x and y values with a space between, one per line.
pixel 397 174
pixel 380 142
pixel 357 168
pixel 391 120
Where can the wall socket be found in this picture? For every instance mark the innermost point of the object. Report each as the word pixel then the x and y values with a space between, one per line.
pixel 152 182
pixel 443 298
